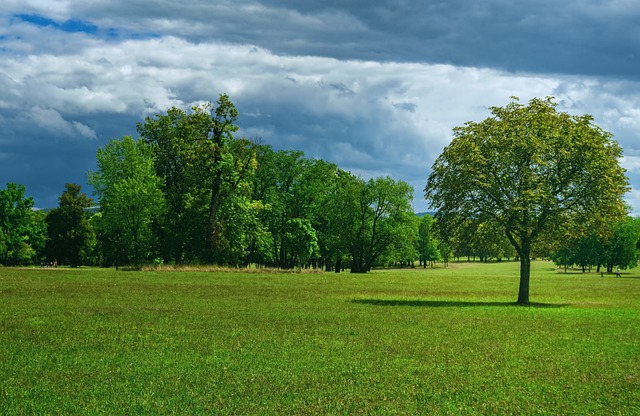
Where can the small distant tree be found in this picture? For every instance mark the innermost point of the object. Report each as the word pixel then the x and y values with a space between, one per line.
pixel 427 242
pixel 22 230
pixel 70 235
pixel 622 250
pixel 563 257
pixel 301 239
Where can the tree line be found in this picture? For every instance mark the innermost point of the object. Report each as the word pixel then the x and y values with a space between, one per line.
pixel 188 191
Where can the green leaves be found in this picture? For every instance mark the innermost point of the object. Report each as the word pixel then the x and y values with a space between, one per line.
pixel 20 229
pixel 529 169
pixel 131 200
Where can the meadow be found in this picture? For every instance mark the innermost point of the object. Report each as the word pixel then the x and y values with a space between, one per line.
pixel 409 341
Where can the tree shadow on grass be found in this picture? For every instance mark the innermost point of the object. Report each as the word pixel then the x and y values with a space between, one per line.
pixel 448 303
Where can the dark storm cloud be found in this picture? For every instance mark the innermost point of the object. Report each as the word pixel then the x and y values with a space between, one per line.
pixel 596 37
pixel 577 37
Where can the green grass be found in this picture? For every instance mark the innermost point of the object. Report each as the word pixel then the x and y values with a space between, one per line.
pixel 434 341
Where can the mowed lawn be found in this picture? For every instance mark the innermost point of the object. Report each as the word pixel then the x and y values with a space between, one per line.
pixel 434 341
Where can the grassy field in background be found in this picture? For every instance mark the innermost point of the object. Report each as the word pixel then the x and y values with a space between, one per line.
pixel 434 341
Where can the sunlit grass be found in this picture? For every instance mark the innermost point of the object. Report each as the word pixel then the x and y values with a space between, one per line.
pixel 434 341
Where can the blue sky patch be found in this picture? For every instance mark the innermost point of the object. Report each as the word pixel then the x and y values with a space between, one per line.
pixel 72 25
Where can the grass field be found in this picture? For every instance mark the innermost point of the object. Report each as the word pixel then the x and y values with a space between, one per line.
pixel 434 341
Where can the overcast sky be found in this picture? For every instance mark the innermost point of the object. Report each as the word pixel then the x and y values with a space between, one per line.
pixel 373 86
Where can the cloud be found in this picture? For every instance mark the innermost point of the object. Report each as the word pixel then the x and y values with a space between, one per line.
pixel 375 88
pixel 570 37
pixel 52 123
pixel 631 164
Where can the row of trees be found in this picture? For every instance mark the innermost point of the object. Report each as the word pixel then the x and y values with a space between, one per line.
pixel 620 247
pixel 528 181
pixel 293 229
pixel 29 236
pixel 75 234
pixel 189 191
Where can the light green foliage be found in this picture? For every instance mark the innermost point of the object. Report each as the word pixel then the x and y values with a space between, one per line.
pixel 131 200
pixel 404 251
pixel 22 231
pixel 301 237
pixel 71 238
pixel 530 170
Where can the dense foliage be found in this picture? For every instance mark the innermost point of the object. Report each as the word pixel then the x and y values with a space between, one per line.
pixel 530 172
pixel 189 191
pixel 70 235
pixel 22 230
pixel 528 182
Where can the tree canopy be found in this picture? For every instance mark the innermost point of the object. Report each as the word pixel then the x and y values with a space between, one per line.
pixel 22 230
pixel 531 170
pixel 527 181
pixel 130 199
pixel 70 235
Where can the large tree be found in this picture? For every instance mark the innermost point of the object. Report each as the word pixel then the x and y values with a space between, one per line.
pixel 530 169
pixel 194 156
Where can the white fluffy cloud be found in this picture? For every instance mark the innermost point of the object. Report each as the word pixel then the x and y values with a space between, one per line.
pixel 373 117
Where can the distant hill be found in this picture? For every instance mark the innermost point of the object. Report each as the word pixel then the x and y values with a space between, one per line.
pixel 91 210
pixel 422 214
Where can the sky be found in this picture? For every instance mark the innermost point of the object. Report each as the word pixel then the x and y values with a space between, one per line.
pixel 372 86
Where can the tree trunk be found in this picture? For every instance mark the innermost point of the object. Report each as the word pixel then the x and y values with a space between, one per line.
pixel 525 274
pixel 212 237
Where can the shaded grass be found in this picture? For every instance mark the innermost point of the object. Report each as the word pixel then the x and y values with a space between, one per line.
pixel 441 341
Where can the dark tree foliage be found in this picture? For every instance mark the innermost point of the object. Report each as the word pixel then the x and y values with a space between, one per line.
pixel 70 235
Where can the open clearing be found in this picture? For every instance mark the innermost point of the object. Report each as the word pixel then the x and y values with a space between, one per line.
pixel 434 341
